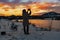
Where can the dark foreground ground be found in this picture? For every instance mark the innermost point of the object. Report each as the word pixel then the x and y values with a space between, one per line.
pixel 34 34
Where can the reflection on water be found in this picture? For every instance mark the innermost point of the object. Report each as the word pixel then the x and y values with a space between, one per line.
pixel 46 23
pixel 43 23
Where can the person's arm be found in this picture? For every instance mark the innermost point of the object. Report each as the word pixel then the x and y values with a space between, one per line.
pixel 29 13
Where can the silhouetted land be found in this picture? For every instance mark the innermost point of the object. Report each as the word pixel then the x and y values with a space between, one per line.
pixel 52 15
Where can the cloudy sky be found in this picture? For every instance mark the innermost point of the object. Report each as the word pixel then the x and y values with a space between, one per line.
pixel 29 0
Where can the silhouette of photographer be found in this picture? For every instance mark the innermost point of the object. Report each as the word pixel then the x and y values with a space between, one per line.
pixel 25 15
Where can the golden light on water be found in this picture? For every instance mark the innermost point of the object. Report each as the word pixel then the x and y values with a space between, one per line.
pixel 8 10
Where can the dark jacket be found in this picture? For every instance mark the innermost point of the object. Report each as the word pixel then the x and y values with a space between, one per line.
pixel 25 17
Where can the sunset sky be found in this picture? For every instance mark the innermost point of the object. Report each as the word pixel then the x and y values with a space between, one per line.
pixel 16 1
pixel 36 8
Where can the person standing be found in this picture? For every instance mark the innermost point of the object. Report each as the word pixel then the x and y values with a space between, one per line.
pixel 25 15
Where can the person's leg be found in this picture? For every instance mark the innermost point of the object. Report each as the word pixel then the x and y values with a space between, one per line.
pixel 27 29
pixel 24 29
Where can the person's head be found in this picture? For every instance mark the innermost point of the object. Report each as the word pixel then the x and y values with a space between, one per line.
pixel 24 10
pixel 28 9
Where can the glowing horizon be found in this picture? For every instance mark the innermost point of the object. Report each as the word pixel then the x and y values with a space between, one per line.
pixel 8 10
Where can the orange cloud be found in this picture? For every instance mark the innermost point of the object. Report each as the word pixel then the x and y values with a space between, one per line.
pixel 9 9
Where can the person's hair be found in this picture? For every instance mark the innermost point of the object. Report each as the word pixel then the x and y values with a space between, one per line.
pixel 28 9
pixel 24 11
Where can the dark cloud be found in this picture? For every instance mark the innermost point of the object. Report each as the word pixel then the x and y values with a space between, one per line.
pixel 3 0
pixel 14 1
pixel 17 1
pixel 56 9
